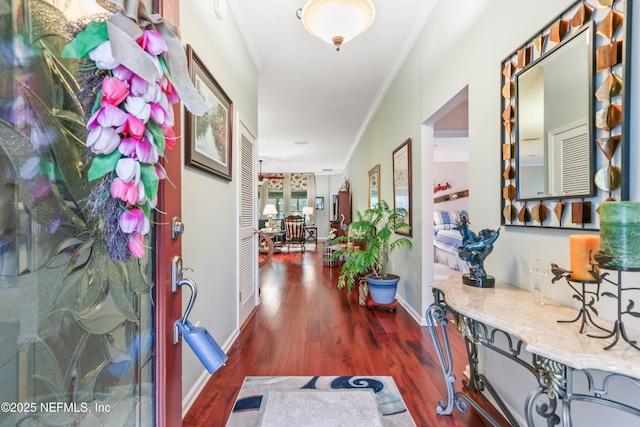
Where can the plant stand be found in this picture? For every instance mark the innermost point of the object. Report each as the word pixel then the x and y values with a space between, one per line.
pixel 363 293
pixel 327 260
pixel 371 303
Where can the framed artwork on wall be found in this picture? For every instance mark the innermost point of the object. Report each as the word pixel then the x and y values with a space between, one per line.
pixel 208 138
pixel 374 186
pixel 402 182
pixel 320 203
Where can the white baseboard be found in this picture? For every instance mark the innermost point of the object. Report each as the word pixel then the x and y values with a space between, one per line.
pixel 199 385
pixel 414 314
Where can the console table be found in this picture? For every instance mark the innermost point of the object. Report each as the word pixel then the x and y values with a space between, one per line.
pixel 505 320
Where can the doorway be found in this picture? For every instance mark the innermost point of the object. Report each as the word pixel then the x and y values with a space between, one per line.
pixel 445 159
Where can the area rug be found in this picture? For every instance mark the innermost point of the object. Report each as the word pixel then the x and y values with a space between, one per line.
pixel 279 401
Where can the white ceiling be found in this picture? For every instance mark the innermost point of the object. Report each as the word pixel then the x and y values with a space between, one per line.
pixel 314 103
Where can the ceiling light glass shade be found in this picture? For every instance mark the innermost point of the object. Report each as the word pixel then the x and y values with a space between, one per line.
pixel 337 21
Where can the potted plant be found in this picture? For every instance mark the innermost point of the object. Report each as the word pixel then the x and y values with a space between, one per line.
pixel 375 228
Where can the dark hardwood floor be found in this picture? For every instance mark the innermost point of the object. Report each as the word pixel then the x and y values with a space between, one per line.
pixel 306 326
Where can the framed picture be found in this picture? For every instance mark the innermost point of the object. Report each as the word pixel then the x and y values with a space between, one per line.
pixel 208 137
pixel 402 182
pixel 374 186
pixel 320 203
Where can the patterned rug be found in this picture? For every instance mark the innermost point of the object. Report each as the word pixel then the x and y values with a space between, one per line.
pixel 252 407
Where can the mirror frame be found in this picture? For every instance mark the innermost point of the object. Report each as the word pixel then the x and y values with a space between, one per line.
pixel 609 124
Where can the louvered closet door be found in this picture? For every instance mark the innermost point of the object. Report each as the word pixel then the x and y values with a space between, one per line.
pixel 248 241
pixel 569 161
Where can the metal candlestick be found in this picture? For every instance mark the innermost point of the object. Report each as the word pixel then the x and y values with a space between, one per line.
pixel 618 329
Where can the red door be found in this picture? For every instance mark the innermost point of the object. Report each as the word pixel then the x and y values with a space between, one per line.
pixel 168 305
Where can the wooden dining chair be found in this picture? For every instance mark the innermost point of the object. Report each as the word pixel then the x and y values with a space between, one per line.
pixel 294 231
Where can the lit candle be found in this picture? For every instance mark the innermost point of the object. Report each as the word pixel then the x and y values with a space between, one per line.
pixel 582 247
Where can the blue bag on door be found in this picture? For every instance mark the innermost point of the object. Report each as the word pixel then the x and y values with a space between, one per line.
pixel 203 345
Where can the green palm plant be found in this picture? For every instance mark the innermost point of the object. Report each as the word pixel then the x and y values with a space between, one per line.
pixel 376 227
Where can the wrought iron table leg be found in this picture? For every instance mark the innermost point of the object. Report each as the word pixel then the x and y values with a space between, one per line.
pixel 437 315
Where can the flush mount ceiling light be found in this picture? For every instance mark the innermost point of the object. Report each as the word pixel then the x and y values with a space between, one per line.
pixel 337 21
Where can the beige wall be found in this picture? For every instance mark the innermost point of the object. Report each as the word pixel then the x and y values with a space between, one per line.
pixel 210 204
pixel 463 44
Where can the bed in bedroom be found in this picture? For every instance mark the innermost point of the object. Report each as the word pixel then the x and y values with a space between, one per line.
pixel 446 240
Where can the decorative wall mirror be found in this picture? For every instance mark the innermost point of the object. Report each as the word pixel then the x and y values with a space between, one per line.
pixel 563 95
pixel 374 186
pixel 402 183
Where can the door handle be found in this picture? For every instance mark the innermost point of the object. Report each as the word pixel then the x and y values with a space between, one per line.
pixel 194 293
pixel 178 281
pixel 177 273
pixel 199 339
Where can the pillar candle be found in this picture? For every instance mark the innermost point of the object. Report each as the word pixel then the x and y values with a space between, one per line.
pixel 582 247
pixel 620 232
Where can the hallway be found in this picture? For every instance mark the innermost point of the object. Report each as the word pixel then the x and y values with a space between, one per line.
pixel 306 326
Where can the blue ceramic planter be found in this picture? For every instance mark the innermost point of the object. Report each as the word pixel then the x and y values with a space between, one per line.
pixel 383 291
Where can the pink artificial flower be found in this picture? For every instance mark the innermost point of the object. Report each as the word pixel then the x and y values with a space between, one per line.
pixel 103 140
pixel 114 91
pixel 152 42
pixel 125 191
pixel 169 137
pixel 131 220
pixel 103 56
pixel 168 88
pixel 168 109
pixel 138 107
pixel 146 151
pixel 128 146
pixel 128 169
pixel 123 73
pixel 141 150
pixel 135 242
pixel 107 116
pixel 160 172
pixel 134 127
pixel 142 195
pixel 153 92
pixel 139 86
pixel 157 113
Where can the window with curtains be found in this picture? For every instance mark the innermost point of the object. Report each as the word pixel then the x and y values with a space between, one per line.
pixel 276 198
pixel 297 202
pixel 289 194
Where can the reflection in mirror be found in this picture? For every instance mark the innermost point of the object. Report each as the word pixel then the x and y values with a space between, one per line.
pixel 554 154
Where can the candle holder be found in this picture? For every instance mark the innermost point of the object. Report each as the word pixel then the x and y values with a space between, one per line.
pixel 582 295
pixel 619 330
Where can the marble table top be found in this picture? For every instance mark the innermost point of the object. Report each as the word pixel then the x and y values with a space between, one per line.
pixel 512 310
